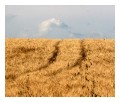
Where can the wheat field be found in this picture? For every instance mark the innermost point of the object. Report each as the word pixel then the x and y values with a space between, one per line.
pixel 59 68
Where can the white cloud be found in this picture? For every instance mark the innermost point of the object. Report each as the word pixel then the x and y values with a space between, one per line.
pixel 51 24
pixel 55 28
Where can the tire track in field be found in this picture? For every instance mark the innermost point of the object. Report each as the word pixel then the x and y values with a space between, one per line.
pixel 86 67
pixel 67 66
pixel 51 60
pixel 81 58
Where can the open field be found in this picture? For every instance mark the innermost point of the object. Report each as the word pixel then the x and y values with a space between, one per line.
pixel 69 67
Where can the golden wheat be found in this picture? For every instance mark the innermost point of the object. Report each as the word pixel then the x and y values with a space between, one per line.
pixel 44 67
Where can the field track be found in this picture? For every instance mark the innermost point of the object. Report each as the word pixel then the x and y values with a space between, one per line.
pixel 69 67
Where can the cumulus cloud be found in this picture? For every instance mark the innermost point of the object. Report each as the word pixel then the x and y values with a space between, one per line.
pixel 51 25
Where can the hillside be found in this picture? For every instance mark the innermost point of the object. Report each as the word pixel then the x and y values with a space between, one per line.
pixel 69 67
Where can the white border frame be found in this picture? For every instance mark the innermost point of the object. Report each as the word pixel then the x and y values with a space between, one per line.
pixel 59 2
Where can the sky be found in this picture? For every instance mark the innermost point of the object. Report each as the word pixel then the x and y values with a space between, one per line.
pixel 63 21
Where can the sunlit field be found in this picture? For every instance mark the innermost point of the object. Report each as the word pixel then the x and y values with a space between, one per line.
pixel 69 67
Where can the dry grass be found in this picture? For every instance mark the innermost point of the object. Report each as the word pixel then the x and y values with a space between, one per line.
pixel 44 67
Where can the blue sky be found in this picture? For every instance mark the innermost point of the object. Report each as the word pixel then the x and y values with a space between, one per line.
pixel 81 21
